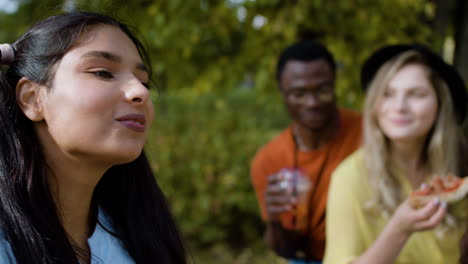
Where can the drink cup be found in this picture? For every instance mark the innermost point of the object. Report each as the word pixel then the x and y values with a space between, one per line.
pixel 299 186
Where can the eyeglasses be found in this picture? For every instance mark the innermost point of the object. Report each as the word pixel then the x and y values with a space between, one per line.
pixel 323 93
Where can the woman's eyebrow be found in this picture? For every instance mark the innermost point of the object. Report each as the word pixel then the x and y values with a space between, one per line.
pixel 102 54
pixel 112 57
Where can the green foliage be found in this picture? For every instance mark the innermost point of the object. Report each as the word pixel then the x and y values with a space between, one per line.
pixel 204 46
pixel 201 147
pixel 13 25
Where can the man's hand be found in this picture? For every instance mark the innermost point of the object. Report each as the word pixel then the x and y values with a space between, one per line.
pixel 279 196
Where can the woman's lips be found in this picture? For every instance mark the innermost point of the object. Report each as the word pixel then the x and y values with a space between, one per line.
pixel 135 122
pixel 401 122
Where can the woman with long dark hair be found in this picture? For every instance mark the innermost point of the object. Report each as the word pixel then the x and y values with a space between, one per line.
pixel 75 185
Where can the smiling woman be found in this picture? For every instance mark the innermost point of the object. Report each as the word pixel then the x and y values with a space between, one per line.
pixel 414 109
pixel 75 185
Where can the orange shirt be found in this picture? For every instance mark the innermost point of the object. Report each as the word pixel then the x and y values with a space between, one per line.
pixel 279 153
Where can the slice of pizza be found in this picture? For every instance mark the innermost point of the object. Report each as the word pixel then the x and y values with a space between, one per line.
pixel 448 189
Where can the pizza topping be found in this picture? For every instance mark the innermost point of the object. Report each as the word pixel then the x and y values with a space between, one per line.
pixel 439 185
pixel 422 192
pixel 449 189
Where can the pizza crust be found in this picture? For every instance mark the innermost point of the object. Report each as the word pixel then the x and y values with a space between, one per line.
pixel 417 201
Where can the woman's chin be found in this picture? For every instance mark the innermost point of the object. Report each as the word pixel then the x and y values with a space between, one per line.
pixel 121 157
pixel 127 158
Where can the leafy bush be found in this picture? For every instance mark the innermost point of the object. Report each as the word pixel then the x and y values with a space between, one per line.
pixel 200 147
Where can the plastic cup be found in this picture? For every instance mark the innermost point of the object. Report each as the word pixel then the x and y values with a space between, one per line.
pixel 298 184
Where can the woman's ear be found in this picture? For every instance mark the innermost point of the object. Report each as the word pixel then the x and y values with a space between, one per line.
pixel 29 97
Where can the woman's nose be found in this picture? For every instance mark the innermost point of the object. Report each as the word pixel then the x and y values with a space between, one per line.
pixel 401 103
pixel 136 92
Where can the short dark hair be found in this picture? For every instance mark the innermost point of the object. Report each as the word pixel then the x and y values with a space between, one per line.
pixel 304 51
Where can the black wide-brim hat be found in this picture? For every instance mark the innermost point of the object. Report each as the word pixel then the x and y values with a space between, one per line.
pixel 447 72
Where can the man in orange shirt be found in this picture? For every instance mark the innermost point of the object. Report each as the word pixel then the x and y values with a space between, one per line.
pixel 319 137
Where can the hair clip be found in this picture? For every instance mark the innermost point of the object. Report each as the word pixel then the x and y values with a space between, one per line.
pixel 7 54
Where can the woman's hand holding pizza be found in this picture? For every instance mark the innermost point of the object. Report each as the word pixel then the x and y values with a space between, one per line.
pixel 404 222
pixel 407 219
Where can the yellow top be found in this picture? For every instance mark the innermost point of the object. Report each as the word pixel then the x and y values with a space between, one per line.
pixel 351 228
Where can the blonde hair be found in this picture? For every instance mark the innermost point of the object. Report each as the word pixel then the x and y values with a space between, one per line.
pixel 441 149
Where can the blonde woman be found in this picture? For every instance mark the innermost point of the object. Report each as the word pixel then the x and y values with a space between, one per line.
pixel 413 112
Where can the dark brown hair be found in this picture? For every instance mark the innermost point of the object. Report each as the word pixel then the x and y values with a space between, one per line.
pixel 127 193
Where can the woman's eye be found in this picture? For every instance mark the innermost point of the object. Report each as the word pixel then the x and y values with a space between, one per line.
pixel 103 74
pixel 419 94
pixel 387 94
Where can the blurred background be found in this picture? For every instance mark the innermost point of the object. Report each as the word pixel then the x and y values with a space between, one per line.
pixel 216 96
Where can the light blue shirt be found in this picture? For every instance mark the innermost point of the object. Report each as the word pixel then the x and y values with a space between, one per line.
pixel 105 248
